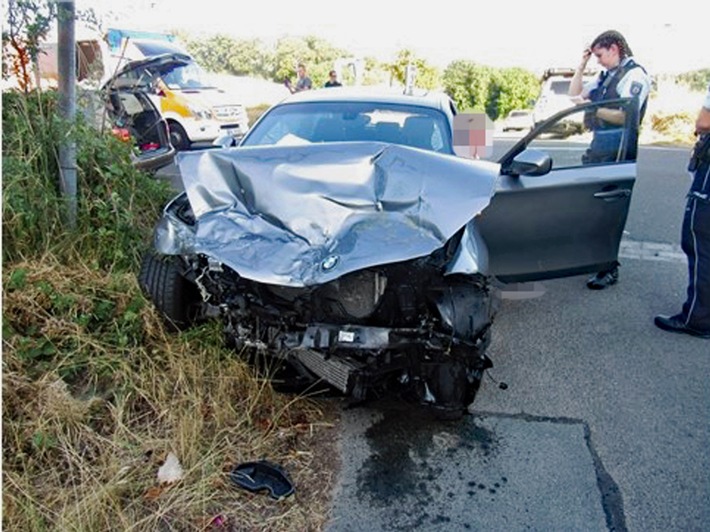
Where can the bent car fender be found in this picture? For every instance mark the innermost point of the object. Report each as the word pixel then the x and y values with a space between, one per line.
pixel 471 256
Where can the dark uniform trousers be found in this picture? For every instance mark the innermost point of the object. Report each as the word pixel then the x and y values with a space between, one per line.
pixel 695 241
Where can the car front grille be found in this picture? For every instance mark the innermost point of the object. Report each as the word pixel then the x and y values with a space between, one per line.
pixel 228 112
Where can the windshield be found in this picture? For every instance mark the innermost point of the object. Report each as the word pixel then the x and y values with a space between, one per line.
pixel 560 87
pixel 304 123
pixel 189 76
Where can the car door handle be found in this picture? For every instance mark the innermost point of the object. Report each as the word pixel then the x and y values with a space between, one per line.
pixel 612 194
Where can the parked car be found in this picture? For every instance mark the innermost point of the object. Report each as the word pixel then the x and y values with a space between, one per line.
pixel 195 110
pixel 135 119
pixel 518 120
pixel 344 240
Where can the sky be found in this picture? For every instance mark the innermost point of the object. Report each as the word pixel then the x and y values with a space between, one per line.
pixel 525 33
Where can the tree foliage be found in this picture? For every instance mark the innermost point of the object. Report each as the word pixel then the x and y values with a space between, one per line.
pixel 224 54
pixel 427 76
pixel 472 86
pixel 28 23
pixel 467 83
pixel 510 88
pixel 495 91
pixel 317 54
pixel 697 79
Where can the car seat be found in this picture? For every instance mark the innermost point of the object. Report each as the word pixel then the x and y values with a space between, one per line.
pixel 417 132
pixel 328 130
pixel 388 132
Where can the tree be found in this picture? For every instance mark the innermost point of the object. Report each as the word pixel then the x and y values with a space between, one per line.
pixel 317 54
pixel 374 72
pixel 697 80
pixel 496 91
pixel 468 84
pixel 510 88
pixel 239 57
pixel 28 23
pixel 428 76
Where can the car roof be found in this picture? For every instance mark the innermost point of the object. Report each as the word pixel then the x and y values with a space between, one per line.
pixel 431 99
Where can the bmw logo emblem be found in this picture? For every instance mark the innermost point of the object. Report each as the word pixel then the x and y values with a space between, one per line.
pixel 329 263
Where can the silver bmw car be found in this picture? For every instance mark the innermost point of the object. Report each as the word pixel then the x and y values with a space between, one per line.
pixel 344 240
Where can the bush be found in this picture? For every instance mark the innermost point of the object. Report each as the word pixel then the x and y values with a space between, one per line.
pixel 255 112
pixel 674 127
pixel 697 80
pixel 95 392
pixel 117 204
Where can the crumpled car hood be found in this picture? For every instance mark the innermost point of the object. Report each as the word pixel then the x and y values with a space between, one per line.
pixel 306 215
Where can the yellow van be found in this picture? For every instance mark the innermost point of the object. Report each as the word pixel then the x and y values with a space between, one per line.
pixel 195 110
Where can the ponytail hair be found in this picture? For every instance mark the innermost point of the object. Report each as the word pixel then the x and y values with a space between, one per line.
pixel 606 39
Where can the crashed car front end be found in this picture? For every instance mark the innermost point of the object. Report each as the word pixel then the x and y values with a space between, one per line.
pixel 355 263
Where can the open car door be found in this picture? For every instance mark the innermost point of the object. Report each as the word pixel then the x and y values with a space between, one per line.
pixel 563 196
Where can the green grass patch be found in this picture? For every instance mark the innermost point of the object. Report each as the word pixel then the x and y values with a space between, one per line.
pixel 96 393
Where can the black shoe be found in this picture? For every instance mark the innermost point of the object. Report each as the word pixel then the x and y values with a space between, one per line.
pixel 603 279
pixel 677 324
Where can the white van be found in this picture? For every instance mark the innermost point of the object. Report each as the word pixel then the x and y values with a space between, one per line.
pixel 195 109
pixel 554 92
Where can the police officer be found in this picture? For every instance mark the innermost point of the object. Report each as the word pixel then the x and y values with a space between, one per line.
pixel 622 78
pixel 694 318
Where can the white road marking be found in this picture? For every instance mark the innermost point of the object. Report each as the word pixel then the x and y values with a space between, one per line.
pixel 655 251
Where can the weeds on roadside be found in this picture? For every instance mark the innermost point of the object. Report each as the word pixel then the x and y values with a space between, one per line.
pixel 96 393
pixel 117 203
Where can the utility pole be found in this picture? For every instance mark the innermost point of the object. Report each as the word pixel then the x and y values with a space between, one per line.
pixel 66 63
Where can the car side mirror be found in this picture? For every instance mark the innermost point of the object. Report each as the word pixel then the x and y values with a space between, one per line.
pixel 530 163
pixel 224 141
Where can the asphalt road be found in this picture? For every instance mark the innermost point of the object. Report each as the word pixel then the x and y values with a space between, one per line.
pixel 603 424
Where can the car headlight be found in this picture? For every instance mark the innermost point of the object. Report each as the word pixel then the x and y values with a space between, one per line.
pixel 201 112
pixel 180 207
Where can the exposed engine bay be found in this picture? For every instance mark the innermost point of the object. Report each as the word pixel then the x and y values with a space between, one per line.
pixel 401 322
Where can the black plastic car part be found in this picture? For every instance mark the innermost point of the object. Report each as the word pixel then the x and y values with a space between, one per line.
pixel 262 475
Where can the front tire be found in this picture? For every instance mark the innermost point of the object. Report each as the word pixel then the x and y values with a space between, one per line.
pixel 178 137
pixel 176 298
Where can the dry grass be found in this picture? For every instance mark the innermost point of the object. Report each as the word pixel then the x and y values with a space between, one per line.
pixel 96 393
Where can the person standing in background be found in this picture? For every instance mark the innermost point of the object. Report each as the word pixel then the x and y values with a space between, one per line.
pixel 333 80
pixel 303 83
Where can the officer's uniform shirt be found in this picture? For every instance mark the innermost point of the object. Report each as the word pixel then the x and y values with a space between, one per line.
pixel 636 83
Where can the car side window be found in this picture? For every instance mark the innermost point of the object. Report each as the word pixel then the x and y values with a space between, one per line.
pixel 584 136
